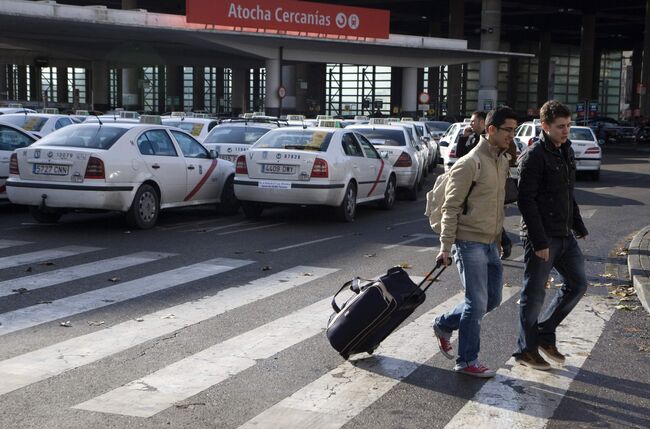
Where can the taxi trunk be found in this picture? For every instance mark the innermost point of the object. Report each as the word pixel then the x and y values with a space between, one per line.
pixel 285 165
pixel 56 164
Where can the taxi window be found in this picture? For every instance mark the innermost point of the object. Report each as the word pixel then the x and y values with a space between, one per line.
pixel 304 139
pixel 11 139
pixel 193 128
pixel 190 147
pixel 235 134
pixel 26 122
pixel 156 142
pixel 350 145
pixel 62 123
pixel 93 136
pixel 383 137
pixel 581 134
pixel 368 148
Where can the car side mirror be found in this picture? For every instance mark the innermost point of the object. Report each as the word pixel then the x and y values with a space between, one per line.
pixel 214 154
pixel 384 154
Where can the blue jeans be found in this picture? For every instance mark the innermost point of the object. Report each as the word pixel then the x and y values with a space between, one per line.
pixel 566 257
pixel 481 273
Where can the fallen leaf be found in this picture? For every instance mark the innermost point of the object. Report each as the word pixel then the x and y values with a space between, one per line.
pixel 66 324
pixel 20 290
pixel 622 253
pixel 47 263
pixel 169 316
pixel 370 255
pixel 266 268
pixel 405 265
pixel 139 319
pixel 308 274
pixel 627 307
pixel 607 276
pixel 96 323
pixel 190 406
pixel 114 279
pixel 559 285
pixel 644 349
pixel 44 302
pixel 507 285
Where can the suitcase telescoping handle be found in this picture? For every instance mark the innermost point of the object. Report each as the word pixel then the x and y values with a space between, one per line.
pixel 431 277
pixel 353 285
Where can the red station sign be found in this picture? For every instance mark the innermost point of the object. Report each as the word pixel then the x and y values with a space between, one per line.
pixel 291 15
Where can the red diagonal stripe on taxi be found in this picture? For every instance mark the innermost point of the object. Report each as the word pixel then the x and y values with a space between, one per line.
pixel 377 179
pixel 198 186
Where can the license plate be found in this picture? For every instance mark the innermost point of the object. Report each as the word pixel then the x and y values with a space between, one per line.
pixel 278 168
pixel 231 158
pixel 51 169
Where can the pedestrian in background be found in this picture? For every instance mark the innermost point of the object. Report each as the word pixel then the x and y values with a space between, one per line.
pixel 551 222
pixel 471 236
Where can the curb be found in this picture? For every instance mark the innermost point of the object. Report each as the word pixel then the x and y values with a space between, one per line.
pixel 638 265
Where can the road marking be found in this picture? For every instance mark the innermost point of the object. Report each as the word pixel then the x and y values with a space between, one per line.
pixel 337 397
pixel 77 272
pixel 306 243
pixel 520 397
pixel 160 390
pixel 520 257
pixel 420 219
pixel 587 214
pixel 429 249
pixel 44 255
pixel 47 362
pixel 37 314
pixel 217 228
pixel 415 237
pixel 251 229
pixel 11 243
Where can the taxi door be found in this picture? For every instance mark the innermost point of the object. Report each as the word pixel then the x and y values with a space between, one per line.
pixel 364 170
pixel 165 164
pixel 201 175
pixel 378 187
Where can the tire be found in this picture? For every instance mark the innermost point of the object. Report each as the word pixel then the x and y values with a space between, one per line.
pixel 229 204
pixel 144 210
pixel 389 195
pixel 348 208
pixel 412 193
pixel 43 216
pixel 420 184
pixel 252 210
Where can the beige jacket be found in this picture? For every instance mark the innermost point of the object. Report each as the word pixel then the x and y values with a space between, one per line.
pixel 484 219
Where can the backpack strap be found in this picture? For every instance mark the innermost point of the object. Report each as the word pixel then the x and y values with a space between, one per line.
pixel 477 173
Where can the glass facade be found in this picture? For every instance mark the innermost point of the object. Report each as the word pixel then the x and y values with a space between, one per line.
pixel 77 81
pixel 256 89
pixel 151 89
pixel 114 88
pixel 227 90
pixel 188 88
pixel 357 90
pixel 49 83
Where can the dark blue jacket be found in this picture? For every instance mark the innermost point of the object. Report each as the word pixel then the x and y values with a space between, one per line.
pixel 546 181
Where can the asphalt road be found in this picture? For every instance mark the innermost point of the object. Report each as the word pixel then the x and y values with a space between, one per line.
pixel 209 321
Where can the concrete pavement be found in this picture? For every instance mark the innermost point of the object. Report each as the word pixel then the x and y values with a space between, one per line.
pixel 638 263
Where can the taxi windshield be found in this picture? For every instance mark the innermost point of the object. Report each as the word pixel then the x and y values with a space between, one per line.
pixel 383 137
pixel 581 134
pixel 193 128
pixel 26 122
pixel 92 136
pixel 237 134
pixel 303 139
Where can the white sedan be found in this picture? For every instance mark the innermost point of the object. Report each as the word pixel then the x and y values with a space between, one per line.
pixel 11 138
pixel 136 169
pixel 586 149
pixel 39 124
pixel 198 127
pixel 314 166
pixel 233 138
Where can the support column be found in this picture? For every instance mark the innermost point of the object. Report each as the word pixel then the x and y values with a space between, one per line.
pixel 35 85
pixel 488 93
pixel 239 86
pixel 543 69
pixel 130 90
pixel 289 84
pixel 637 58
pixel 273 104
pixel 4 86
pixel 62 85
pixel 644 99
pixel 588 39
pixel 219 91
pixel 595 74
pixel 198 88
pixel 22 84
pixel 173 77
pixel 99 86
pixel 454 72
pixel 409 91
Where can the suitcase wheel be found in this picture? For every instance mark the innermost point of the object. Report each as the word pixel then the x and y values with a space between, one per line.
pixel 371 351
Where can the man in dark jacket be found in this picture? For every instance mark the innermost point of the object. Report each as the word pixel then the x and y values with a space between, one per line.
pixel 551 222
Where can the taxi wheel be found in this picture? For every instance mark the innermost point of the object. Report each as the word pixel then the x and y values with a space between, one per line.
pixel 44 217
pixel 143 212
pixel 229 204
pixel 389 195
pixel 346 211
pixel 252 210
pixel 412 193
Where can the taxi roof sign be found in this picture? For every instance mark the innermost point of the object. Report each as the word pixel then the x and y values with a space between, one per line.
pixel 178 114
pixel 256 114
pixel 379 121
pixel 467 120
pixel 127 114
pixel 407 119
pixel 537 121
pixel 329 123
pixel 295 117
pixel 81 112
pixel 150 119
pixel 247 115
pixel 319 117
pixel 51 110
pixel 16 105
pixel 360 118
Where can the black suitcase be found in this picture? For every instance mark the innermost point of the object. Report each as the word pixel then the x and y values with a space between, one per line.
pixel 376 310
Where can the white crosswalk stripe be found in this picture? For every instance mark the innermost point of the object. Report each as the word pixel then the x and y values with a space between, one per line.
pixel 65 307
pixel 77 272
pixel 44 255
pixel 11 243
pixel 41 364
pixel 341 394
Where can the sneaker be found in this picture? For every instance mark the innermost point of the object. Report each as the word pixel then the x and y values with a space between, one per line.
pixel 533 360
pixel 552 353
pixel 475 370
pixel 443 342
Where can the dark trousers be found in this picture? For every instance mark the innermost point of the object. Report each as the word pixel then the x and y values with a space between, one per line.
pixel 566 257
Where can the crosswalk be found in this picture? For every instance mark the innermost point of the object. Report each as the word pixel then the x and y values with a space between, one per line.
pixel 516 397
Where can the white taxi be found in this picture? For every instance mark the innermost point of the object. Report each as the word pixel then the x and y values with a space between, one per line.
pixel 449 142
pixel 11 138
pixel 39 124
pixel 231 139
pixel 198 127
pixel 395 142
pixel 586 149
pixel 313 166
pixel 136 169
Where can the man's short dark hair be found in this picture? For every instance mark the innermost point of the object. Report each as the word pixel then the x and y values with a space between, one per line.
pixel 551 110
pixel 480 114
pixel 498 116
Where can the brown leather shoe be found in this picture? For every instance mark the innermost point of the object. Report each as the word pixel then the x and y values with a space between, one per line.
pixel 552 353
pixel 533 360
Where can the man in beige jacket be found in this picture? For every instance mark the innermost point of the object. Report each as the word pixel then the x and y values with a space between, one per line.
pixel 472 220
